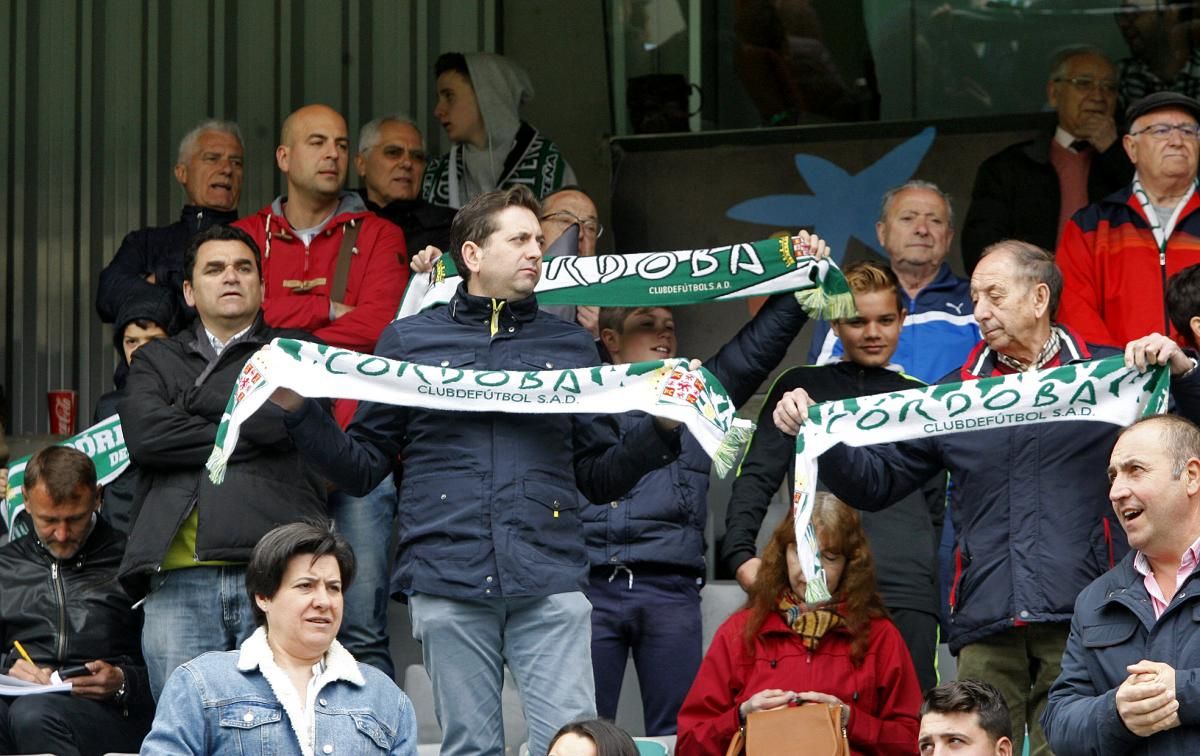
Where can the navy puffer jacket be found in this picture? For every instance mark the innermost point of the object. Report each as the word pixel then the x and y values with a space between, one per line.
pixel 1114 626
pixel 1030 506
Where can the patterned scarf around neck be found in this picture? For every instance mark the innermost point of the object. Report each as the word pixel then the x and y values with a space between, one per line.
pixel 809 623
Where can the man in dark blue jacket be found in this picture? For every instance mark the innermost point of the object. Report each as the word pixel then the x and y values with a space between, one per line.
pixel 490 551
pixel 1130 681
pixel 647 548
pixel 209 169
pixel 1028 503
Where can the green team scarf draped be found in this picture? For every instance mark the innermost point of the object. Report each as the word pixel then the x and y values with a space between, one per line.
pixel 664 388
pixel 665 279
pixel 104 443
pixel 1102 390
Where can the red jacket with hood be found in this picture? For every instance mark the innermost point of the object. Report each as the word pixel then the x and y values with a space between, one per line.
pixel 297 279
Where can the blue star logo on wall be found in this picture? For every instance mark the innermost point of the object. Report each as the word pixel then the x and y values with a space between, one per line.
pixel 841 206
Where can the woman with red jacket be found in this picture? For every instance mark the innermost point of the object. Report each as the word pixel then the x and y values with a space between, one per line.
pixel 778 650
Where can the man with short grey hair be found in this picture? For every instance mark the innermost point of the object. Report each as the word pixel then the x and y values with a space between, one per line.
pixel 915 228
pixel 391 162
pixel 209 168
pixel 1031 189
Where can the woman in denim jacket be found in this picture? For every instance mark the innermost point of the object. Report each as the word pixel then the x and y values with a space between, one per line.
pixel 291 688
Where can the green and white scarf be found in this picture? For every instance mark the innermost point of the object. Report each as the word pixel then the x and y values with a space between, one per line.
pixel 665 279
pixel 1102 391
pixel 664 388
pixel 104 443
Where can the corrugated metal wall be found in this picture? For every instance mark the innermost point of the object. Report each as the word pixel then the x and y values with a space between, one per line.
pixel 98 93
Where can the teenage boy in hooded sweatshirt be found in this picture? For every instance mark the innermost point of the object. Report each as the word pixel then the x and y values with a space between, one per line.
pixel 479 96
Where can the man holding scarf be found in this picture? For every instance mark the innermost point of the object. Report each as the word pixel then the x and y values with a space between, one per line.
pixel 1029 508
pixel 490 552
pixel 1117 254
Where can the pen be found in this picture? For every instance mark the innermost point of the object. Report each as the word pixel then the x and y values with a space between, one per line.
pixel 21 650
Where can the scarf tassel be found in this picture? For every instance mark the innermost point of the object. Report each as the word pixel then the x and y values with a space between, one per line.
pixel 832 300
pixel 732 446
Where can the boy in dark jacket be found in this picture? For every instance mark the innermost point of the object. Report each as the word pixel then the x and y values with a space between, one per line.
pixel 903 537
pixel 646 549
pixel 144 317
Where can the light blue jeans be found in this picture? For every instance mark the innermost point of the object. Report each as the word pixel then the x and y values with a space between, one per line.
pixel 366 522
pixel 546 643
pixel 192 611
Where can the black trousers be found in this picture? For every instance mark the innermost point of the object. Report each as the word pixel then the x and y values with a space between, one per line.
pixel 67 725
pixel 920 633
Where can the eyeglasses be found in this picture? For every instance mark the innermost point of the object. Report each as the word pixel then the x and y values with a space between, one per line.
pixel 1163 130
pixel 396 151
pixel 1088 84
pixel 567 218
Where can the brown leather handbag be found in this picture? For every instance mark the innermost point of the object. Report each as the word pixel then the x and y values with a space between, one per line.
pixel 811 729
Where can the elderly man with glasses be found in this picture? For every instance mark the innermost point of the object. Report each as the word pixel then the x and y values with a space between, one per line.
pixel 572 226
pixel 1029 190
pixel 1117 254
pixel 391 162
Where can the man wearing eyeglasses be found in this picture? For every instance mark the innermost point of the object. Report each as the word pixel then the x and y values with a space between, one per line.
pixel 391 162
pixel 1030 190
pixel 572 226
pixel 1117 254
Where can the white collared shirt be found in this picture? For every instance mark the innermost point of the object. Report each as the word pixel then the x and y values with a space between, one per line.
pixel 218 345
pixel 1065 139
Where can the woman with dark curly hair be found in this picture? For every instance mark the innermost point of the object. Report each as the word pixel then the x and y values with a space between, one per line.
pixel 777 650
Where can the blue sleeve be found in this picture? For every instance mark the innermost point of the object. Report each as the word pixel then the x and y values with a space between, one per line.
pixel 179 725
pixel 744 363
pixel 874 477
pixel 1186 393
pixel 357 459
pixel 821 333
pixel 406 735
pixel 608 464
pixel 1079 719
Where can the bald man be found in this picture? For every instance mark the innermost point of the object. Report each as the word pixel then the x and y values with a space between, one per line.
pixel 336 270
pixel 304 232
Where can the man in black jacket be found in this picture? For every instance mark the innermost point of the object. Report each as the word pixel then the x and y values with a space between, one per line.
pixel 391 163
pixel 209 169
pixel 1030 190
pixel 903 537
pixel 190 540
pixel 61 601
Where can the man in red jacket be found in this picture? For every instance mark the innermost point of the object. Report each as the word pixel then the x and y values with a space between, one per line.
pixel 315 230
pixel 333 268
pixel 1117 254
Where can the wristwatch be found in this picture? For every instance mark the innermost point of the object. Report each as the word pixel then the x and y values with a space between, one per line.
pixel 122 691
